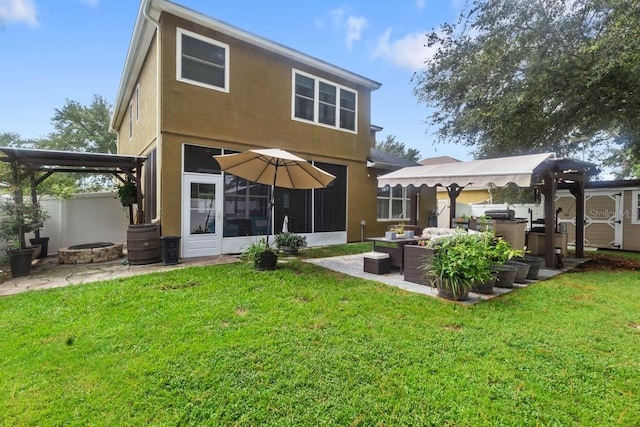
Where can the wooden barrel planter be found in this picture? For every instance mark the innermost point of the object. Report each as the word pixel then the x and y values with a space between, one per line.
pixel 143 244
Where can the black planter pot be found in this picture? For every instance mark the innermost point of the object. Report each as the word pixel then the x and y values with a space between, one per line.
pixel 485 287
pixel 445 292
pixel 505 275
pixel 20 261
pixel 535 263
pixel 267 261
pixel 523 270
pixel 44 246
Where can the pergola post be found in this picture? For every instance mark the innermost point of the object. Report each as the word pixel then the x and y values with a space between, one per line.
pixel 413 216
pixel 548 189
pixel 577 189
pixel 454 191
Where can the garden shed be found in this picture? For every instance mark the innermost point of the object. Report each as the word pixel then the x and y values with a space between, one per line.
pixel 612 214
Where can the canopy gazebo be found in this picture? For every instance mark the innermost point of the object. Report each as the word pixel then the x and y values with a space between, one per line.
pixel 38 165
pixel 543 170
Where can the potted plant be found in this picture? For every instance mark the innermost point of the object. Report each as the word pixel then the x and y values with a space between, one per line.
pixel 40 215
pixel 499 251
pixel 127 193
pixel 16 219
pixel 289 243
pixel 260 255
pixel 459 261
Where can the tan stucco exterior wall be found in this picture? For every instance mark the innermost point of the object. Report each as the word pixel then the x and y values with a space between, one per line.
pixel 256 112
pixel 145 127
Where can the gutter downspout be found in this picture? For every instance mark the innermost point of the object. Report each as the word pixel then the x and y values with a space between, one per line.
pixel 145 12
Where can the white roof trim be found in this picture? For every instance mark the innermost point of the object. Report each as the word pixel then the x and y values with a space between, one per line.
pixel 143 34
pixel 499 171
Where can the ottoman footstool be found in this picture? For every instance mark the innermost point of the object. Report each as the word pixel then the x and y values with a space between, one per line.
pixel 377 263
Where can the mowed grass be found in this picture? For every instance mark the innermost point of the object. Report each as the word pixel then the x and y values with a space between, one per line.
pixel 225 345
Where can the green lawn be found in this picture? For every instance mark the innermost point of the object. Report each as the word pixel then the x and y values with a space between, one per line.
pixel 224 345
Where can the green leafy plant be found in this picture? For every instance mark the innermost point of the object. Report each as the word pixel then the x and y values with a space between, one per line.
pixel 256 250
pixel 290 240
pixel 498 249
pixel 459 261
pixel 127 193
pixel 16 219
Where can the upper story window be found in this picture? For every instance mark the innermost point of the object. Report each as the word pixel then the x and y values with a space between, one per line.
pixel 202 61
pixel 323 102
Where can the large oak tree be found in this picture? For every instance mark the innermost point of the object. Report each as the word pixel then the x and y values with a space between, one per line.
pixel 521 76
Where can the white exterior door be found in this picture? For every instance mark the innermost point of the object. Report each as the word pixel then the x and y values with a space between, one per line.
pixel 202 197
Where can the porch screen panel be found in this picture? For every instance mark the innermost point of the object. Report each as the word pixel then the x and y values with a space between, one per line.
pixel 245 207
pixel 296 205
pixel 330 204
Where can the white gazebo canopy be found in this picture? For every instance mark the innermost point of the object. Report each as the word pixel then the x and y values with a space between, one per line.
pixel 545 168
pixel 499 171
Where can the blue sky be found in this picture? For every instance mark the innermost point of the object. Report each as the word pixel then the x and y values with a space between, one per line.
pixel 54 50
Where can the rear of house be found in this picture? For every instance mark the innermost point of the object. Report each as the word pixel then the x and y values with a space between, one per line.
pixel 194 87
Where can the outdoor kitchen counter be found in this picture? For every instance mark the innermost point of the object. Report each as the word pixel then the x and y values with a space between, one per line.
pixel 513 231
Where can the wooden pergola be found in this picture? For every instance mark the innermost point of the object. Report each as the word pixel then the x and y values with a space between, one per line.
pixel 38 165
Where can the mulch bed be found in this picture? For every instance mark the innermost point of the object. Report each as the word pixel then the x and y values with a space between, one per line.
pixel 602 262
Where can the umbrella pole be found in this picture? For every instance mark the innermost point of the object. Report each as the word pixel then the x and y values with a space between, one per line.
pixel 272 203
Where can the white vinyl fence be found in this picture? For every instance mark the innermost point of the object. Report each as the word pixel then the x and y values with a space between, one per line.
pixel 85 218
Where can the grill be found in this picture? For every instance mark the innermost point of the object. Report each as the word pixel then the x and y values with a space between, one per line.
pixel 505 214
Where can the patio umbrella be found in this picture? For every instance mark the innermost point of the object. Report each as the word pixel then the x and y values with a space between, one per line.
pixel 275 167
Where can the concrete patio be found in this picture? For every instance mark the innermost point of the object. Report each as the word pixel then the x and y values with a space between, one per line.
pixel 353 266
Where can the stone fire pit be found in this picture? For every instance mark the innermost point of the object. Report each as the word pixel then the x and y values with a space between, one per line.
pixel 90 253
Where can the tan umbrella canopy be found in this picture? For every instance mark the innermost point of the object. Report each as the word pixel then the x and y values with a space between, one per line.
pixel 275 167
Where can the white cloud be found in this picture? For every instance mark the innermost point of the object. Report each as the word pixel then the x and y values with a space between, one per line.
pixel 351 26
pixel 355 25
pixel 18 11
pixel 420 4
pixel 408 52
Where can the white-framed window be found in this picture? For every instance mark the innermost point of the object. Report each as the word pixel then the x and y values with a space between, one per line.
pixel 130 120
pixel 323 102
pixel 137 103
pixel 393 203
pixel 635 206
pixel 202 61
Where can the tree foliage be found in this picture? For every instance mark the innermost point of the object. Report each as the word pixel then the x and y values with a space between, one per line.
pixel 82 128
pixel 397 148
pixel 516 76
pixel 76 128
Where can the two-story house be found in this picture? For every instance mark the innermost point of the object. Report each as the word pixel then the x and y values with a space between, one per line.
pixel 194 87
